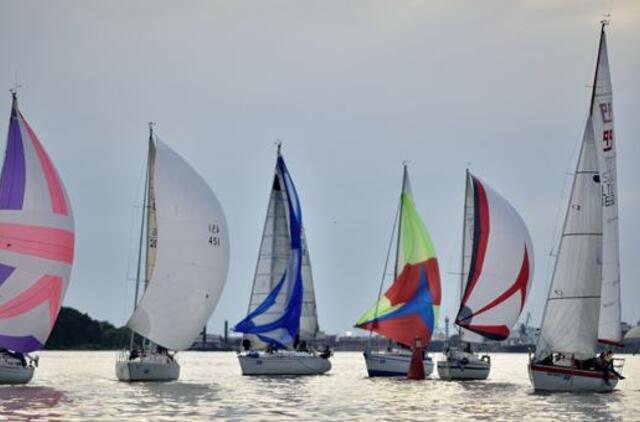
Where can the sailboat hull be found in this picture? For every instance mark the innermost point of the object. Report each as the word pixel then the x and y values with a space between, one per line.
pixel 464 366
pixel 563 379
pixel 15 374
pixel 283 363
pixel 390 364
pixel 153 369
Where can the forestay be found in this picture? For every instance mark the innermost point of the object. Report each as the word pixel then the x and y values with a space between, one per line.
pixel 282 303
pixel 609 330
pixel 409 308
pixel 497 264
pixel 570 320
pixel 192 254
pixel 36 240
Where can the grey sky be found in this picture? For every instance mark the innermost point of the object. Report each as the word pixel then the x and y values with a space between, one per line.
pixel 352 88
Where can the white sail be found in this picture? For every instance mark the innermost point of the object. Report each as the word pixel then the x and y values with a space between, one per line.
pixel 497 264
pixel 273 259
pixel 192 255
pixel 570 320
pixel 609 330
pixel 309 317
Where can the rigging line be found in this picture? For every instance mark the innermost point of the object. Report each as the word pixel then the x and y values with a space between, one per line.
pixel 386 263
pixel 132 239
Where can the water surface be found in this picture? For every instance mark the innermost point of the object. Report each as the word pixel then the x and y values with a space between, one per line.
pixel 83 386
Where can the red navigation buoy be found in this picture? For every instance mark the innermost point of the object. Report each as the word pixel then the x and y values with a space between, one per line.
pixel 416 367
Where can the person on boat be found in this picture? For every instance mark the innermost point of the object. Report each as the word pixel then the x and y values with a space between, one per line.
pixel 134 354
pixel 302 347
pixel 326 353
pixel 246 344
pixel 606 362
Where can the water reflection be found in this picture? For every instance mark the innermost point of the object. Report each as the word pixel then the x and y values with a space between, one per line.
pixel 29 402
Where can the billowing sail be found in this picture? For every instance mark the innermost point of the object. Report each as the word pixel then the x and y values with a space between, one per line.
pixel 36 240
pixel 282 304
pixel 498 265
pixel 192 255
pixel 570 320
pixel 409 308
pixel 609 330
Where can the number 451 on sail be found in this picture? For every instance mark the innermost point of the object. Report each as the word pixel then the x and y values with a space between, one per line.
pixel 214 230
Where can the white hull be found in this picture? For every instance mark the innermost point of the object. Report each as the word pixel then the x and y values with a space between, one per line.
pixel 154 368
pixel 12 371
pixel 283 363
pixel 392 364
pixel 15 374
pixel 463 366
pixel 564 379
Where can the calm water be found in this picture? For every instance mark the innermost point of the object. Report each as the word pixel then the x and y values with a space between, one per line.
pixel 82 385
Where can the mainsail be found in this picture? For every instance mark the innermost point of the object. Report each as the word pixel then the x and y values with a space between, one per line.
pixel 601 111
pixel 409 308
pixel 191 253
pixel 36 240
pixel 497 264
pixel 570 320
pixel 282 304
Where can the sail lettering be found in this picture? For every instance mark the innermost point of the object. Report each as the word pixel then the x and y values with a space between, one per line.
pixel 606 111
pixel 607 140
pixel 608 194
pixel 214 231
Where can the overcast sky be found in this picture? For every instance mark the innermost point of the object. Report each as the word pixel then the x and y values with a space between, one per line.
pixel 352 88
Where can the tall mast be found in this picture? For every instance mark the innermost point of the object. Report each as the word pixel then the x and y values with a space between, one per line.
pixel 395 266
pixel 604 23
pixel 386 261
pixel 464 230
pixel 145 218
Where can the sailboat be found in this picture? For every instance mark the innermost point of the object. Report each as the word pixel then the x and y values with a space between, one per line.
pixel 282 314
pixel 183 256
pixel 36 249
pixel 408 310
pixel 497 269
pixel 583 304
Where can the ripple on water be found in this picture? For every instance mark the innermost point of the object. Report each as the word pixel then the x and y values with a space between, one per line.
pixel 82 386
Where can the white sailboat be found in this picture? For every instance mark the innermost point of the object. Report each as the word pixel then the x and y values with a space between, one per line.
pixel 37 238
pixel 282 309
pixel 583 304
pixel 497 269
pixel 409 309
pixel 184 244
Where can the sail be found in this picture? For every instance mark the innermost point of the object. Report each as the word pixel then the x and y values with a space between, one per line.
pixel 192 255
pixel 36 240
pixel 309 317
pixel 409 308
pixel 500 268
pixel 609 330
pixel 570 320
pixel 277 296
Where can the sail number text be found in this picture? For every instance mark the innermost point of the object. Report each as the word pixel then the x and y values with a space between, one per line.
pixel 214 235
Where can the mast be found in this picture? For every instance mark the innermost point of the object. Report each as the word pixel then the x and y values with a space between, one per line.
pixel 404 182
pixel 145 219
pixel 604 23
pixel 386 261
pixel 464 229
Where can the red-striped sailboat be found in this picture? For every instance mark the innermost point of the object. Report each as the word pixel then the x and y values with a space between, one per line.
pixel 497 269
